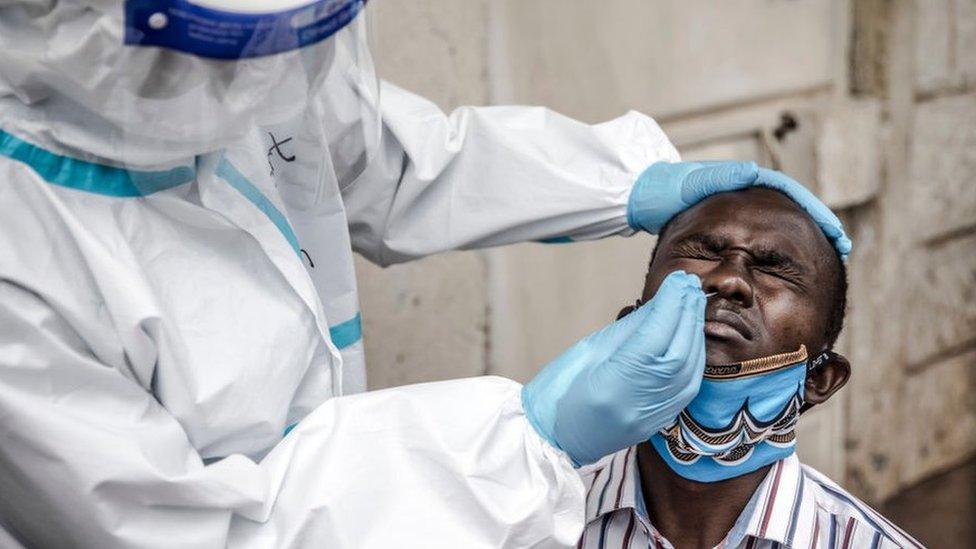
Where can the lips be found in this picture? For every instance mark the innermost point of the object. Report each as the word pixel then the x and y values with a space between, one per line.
pixel 726 324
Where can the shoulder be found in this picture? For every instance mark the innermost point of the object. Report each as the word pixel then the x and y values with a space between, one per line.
pixel 65 247
pixel 849 518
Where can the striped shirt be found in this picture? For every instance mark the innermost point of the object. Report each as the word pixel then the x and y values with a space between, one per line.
pixel 794 507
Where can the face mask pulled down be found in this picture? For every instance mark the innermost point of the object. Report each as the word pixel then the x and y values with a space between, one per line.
pixel 743 418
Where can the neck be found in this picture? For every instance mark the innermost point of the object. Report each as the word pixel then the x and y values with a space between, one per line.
pixel 692 514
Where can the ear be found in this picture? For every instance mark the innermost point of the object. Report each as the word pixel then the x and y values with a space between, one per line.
pixel 825 380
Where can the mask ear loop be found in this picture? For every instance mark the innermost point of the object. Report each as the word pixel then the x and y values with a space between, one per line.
pixel 815 364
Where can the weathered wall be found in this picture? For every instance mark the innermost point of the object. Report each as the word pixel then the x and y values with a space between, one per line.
pixel 883 93
pixel 427 320
pixel 914 309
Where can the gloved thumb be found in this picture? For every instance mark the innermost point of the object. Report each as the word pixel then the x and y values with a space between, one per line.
pixel 663 316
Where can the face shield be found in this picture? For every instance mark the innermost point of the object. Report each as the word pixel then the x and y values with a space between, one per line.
pixel 152 83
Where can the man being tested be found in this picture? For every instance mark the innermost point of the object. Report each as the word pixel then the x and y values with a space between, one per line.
pixel 724 474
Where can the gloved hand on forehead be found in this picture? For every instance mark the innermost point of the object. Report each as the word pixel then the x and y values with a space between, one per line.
pixel 828 222
pixel 666 189
pixel 622 384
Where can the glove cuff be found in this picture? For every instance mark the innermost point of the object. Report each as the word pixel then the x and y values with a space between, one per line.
pixel 655 198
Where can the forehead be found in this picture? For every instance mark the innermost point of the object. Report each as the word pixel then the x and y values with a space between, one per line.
pixel 753 218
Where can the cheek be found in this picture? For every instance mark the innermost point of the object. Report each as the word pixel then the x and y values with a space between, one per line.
pixel 789 317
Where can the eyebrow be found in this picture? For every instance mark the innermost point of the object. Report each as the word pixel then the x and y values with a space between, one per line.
pixel 761 255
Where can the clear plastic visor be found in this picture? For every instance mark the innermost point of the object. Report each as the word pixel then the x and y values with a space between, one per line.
pixel 223 73
pixel 149 84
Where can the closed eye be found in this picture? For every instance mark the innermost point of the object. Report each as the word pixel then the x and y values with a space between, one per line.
pixel 779 265
pixel 701 247
pixel 784 271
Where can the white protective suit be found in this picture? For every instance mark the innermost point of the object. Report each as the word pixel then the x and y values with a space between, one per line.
pixel 169 307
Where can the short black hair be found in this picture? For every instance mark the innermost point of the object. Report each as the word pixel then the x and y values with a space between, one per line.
pixel 838 302
pixel 838 296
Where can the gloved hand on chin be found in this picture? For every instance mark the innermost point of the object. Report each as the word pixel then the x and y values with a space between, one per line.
pixel 620 385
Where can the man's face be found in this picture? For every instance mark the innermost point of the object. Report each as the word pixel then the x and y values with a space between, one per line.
pixel 768 262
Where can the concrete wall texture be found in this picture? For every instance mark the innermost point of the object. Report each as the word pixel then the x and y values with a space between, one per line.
pixel 882 94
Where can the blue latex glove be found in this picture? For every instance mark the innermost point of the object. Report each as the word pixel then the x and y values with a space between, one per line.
pixel 622 384
pixel 821 214
pixel 668 188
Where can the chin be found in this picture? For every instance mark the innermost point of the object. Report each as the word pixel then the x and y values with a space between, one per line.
pixel 721 351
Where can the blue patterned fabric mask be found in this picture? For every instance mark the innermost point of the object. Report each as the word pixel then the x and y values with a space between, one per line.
pixel 743 418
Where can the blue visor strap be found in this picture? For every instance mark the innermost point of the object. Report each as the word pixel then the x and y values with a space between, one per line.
pixel 556 240
pixel 347 333
pixel 219 34
pixel 80 175
pixel 227 172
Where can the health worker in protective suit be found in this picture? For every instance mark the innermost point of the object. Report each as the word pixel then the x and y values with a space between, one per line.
pixel 182 186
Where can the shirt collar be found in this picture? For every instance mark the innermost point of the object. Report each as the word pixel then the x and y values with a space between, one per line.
pixel 775 507
pixel 771 514
pixel 611 483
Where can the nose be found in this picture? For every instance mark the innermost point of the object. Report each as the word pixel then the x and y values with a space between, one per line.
pixel 730 279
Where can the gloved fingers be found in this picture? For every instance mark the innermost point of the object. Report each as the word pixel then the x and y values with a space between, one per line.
pixel 663 318
pixel 690 330
pixel 802 196
pixel 717 176
pixel 688 351
pixel 843 245
pixel 782 182
pixel 828 222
